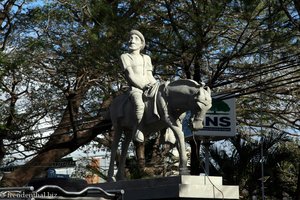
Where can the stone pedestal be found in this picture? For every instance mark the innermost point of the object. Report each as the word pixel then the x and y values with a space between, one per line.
pixel 177 187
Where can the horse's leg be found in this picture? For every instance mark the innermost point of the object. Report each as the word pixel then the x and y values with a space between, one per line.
pixel 183 170
pixel 125 144
pixel 176 127
pixel 114 149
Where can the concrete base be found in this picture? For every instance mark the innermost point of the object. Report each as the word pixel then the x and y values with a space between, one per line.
pixel 177 187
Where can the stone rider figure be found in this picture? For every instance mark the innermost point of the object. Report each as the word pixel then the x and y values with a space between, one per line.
pixel 138 72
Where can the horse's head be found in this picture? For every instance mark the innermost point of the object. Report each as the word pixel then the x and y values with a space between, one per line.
pixel 203 104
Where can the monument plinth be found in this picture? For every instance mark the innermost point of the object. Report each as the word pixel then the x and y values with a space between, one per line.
pixel 177 187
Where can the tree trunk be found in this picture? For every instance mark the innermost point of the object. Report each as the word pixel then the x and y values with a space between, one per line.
pixel 195 157
pixel 60 144
pixel 297 195
pixel 51 153
pixel 156 152
pixel 2 150
pixel 140 154
pixel 24 174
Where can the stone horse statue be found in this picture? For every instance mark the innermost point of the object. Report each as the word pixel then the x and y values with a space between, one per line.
pixel 172 101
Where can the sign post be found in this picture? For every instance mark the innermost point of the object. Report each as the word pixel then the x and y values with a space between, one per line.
pixel 219 123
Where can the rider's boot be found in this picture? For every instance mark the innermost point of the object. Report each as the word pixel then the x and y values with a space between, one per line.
pixel 138 135
pixel 139 112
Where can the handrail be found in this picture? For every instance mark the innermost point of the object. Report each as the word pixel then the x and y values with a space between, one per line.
pixel 108 194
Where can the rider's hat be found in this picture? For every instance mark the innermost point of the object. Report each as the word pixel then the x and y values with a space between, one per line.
pixel 140 35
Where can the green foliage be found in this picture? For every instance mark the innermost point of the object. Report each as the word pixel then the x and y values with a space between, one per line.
pixel 219 105
pixel 242 165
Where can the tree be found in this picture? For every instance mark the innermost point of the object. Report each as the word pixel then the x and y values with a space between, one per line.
pixel 58 84
pixel 60 67
pixel 242 166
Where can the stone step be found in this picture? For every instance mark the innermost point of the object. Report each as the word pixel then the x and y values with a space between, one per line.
pixel 176 187
pixel 184 179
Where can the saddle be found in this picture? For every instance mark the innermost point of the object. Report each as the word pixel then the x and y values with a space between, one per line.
pixel 150 99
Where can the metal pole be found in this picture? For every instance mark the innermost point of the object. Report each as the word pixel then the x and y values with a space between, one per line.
pixel 261 132
pixel 206 150
pixel 262 169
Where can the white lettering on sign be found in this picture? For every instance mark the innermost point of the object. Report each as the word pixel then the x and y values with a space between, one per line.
pixel 220 120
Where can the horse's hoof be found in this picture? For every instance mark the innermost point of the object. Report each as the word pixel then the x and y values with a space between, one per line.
pixel 184 171
pixel 120 177
pixel 111 179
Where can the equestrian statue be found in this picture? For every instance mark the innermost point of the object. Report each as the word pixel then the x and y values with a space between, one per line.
pixel 173 100
pixel 150 106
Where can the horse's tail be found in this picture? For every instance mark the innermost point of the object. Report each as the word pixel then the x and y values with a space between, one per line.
pixel 106 115
pixel 105 108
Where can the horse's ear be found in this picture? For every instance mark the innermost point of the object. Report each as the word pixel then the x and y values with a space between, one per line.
pixel 201 84
pixel 207 89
